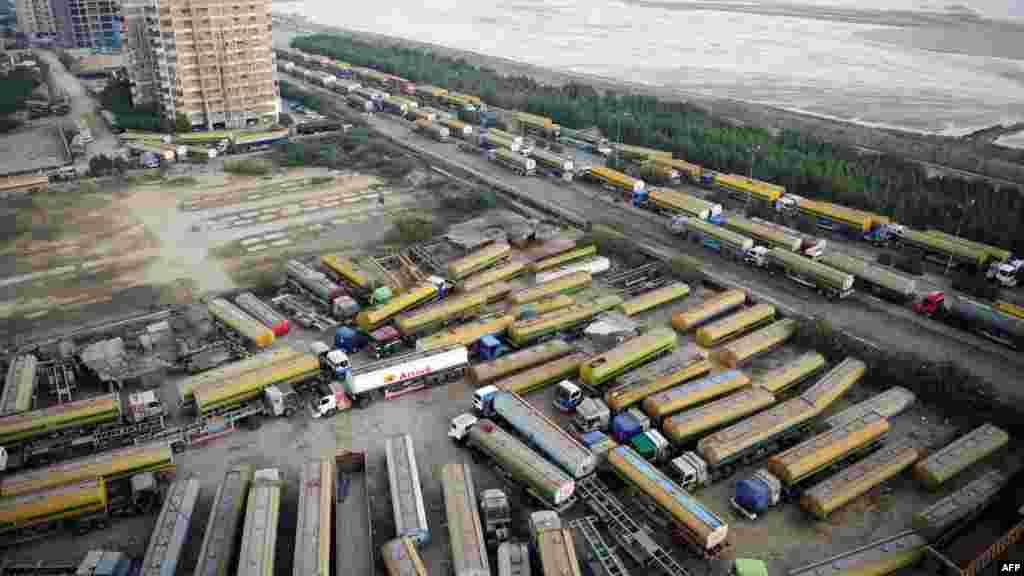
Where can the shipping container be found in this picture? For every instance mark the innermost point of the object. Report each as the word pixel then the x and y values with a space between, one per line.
pixel 654 298
pixel 717 305
pixel 112 465
pixel 742 350
pixel 824 498
pixel 465 334
pixel 685 427
pixel 673 400
pixel 654 378
pixel 223 529
pixel 171 532
pixel 517 361
pixel 791 373
pixel 820 452
pixel 248 327
pixel 734 325
pixel 701 525
pixel 19 385
pixel 465 533
pixel 259 534
pixel 969 449
pixel 539 431
pixel 543 375
pixel 410 514
pixel 628 355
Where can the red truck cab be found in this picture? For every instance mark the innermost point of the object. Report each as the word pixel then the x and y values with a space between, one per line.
pixel 930 304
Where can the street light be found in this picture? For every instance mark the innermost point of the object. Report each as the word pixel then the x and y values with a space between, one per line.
pixel 963 216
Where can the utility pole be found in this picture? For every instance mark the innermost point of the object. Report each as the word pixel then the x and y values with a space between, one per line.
pixel 963 216
pixel 753 150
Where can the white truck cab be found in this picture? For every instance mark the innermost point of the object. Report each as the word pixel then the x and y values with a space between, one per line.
pixel 334 400
pixel 690 469
pixel 144 405
pixel 461 425
pixel 1005 273
pixel 756 256
pixel 3 459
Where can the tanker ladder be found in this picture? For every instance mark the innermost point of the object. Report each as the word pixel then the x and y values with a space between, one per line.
pixel 62 379
pixel 637 542
pixel 609 560
pixel 639 279
pixel 40 568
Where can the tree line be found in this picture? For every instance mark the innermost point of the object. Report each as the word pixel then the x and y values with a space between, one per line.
pixel 802 163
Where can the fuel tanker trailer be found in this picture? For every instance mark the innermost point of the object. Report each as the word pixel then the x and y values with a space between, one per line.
pixel 791 373
pixel 564 285
pixel 561 321
pixel 656 377
pixel 401 374
pixel 228 394
pixel 739 351
pixel 259 310
pixel 628 355
pixel 714 307
pixel 767 235
pixel 670 401
pixel 826 279
pixel 542 479
pixel 616 180
pixel 563 257
pixel 252 330
pixel 654 298
pixel 539 431
pixel 699 526
pixel 519 361
pixel 675 202
pixel 514 161
pixel 440 313
pixel 734 325
pixel 878 279
pixel 478 260
pixel 373 318
pixel 492 275
pixel 552 161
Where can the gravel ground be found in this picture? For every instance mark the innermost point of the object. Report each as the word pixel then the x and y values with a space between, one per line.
pixel 35 147
pixel 786 537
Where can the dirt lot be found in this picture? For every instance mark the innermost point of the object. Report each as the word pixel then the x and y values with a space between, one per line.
pixel 786 537
pixel 178 237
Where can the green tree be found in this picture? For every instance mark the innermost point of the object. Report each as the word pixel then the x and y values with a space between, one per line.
pixel 182 123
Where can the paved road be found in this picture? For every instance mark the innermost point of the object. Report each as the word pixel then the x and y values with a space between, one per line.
pixel 888 326
pixel 104 142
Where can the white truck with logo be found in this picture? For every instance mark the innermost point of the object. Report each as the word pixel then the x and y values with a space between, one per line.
pixel 402 374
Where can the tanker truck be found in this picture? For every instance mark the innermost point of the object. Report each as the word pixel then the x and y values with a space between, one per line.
pixel 973 315
pixel 432 130
pixel 825 279
pixel 513 161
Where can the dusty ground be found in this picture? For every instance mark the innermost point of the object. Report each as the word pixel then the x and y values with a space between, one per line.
pixel 786 537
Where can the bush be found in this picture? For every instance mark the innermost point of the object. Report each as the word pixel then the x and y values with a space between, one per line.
pixel 469 202
pixel 249 166
pixel 87 187
pixel 687 268
pixel 415 228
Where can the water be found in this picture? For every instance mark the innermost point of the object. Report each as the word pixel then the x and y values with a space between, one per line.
pixel 914 64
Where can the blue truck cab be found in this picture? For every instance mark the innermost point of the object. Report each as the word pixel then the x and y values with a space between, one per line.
pixel 489 348
pixel 349 340
pixel 483 400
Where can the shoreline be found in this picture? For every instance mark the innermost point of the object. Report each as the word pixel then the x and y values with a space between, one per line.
pixel 966 156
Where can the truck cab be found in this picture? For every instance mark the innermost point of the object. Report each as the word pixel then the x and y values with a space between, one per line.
pixel 651 445
pixel 488 348
pixel 281 399
pixel 496 515
pixel 756 256
pixel 385 342
pixel 461 425
pixel 349 340
pixel 344 307
pixel 567 396
pixel 691 470
pixel 591 414
pixel 331 399
pixel 144 405
pixel 930 304
pixel 483 400
pixel 1006 273
pixel 334 361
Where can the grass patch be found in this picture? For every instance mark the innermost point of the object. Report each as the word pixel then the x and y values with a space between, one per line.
pixel 249 167
pixel 317 180
pixel 181 181
pixel 416 227
pixel 87 187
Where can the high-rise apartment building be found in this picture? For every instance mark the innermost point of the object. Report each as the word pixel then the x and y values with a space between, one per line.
pixel 89 23
pixel 210 60
pixel 36 18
